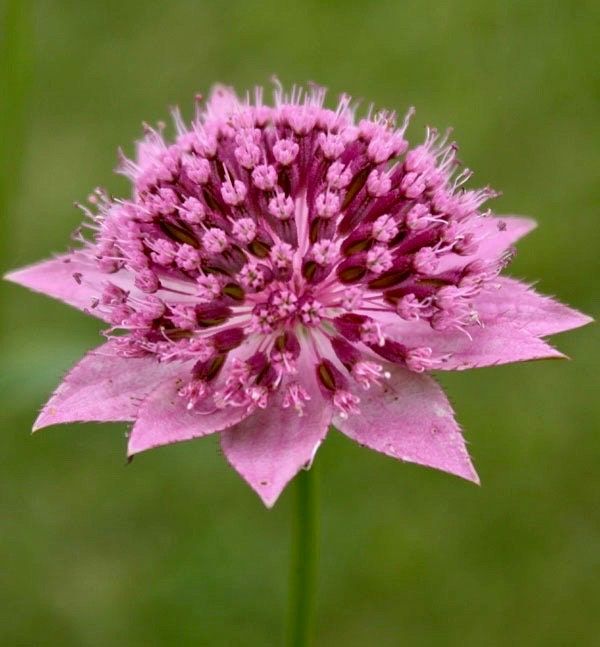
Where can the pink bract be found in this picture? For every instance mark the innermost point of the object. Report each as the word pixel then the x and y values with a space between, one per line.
pixel 279 269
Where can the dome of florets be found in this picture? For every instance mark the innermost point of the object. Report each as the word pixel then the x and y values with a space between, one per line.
pixel 261 234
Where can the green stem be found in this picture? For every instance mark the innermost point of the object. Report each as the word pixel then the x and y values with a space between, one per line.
pixel 303 572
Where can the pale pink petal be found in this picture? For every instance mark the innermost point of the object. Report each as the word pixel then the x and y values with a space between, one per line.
pixel 496 234
pixel 164 418
pixel 410 418
pixel 487 345
pixel 493 345
pixel 516 302
pixel 500 233
pixel 104 387
pixel 72 278
pixel 272 445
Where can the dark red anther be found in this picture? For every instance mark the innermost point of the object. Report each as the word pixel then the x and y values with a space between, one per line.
pixel 391 350
pixel 234 292
pixel 257 362
pixel 346 352
pixel 286 230
pixel 357 246
pixel 353 269
pixel 259 248
pixel 267 377
pixel 211 200
pixel 288 343
pixel 349 325
pixel 315 273
pixel 356 184
pixel 321 228
pixel 179 233
pixel 284 181
pixel 351 274
pixel 208 370
pixel 229 262
pixel 329 377
pixel 325 375
pixel 400 270
pixel 387 203
pixel 421 289
pixel 261 369
pixel 262 243
pixel 358 241
pixel 212 314
pixel 235 258
pixel 414 242
pixel 227 340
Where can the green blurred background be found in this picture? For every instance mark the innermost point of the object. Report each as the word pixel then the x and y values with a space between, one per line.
pixel 175 549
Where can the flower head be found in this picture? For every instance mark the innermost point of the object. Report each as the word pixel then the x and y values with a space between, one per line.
pixel 280 268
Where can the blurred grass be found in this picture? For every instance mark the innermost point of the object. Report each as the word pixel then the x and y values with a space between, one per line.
pixel 174 549
pixel 16 53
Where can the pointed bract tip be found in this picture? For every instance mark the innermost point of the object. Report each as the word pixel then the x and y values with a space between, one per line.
pixel 43 421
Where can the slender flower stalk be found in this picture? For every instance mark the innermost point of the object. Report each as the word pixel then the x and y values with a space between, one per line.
pixel 304 562
pixel 278 268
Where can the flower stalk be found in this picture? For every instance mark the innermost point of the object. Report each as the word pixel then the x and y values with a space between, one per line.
pixel 304 559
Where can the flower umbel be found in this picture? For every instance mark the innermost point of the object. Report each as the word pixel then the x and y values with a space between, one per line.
pixel 281 268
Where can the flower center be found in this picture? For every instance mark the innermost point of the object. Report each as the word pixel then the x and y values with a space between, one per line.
pixel 286 304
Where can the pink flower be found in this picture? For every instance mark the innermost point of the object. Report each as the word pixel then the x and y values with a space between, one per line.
pixel 281 269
